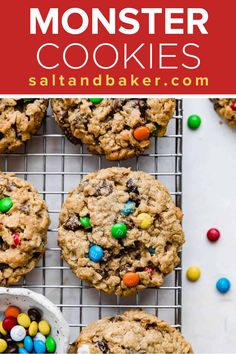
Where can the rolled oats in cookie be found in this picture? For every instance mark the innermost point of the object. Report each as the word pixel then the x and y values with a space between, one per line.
pixel 118 128
pixel 19 120
pixel 226 108
pixel 132 235
pixel 24 223
pixel 133 332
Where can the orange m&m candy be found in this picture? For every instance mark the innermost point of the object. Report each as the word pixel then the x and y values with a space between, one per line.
pixel 131 279
pixel 12 311
pixel 141 133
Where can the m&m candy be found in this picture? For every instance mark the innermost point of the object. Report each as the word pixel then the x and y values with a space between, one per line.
pixel 194 121
pixel 5 204
pixel 213 235
pixel 128 207
pixel 20 333
pixel 144 221
pixel 85 222
pixel 151 250
pixel 193 273
pixel 223 285
pixel 233 106
pixel 95 253
pixel 96 100
pixel 131 279
pixel 141 133
pixel 119 230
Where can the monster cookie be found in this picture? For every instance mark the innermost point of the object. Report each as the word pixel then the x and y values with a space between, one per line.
pixel 19 120
pixel 120 231
pixel 226 108
pixel 118 128
pixel 24 222
pixel 131 333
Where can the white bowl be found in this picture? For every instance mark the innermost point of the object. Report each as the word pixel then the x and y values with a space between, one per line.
pixel 24 299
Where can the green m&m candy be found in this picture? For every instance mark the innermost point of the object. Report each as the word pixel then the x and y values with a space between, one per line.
pixel 95 100
pixel 85 222
pixel 50 344
pixel 119 230
pixel 5 204
pixel 194 121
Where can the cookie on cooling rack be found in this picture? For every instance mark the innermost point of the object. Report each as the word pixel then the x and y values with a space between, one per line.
pixel 19 120
pixel 130 333
pixel 120 231
pixel 118 128
pixel 24 223
pixel 226 108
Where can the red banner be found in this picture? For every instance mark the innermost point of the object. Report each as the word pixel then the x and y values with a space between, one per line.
pixel 132 47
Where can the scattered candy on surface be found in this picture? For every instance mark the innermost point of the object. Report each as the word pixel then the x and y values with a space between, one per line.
pixel 44 327
pixel 131 279
pixel 19 335
pixel 12 311
pixel 213 235
pixel 95 253
pixel 119 230
pixel 223 285
pixel 39 346
pixel 233 106
pixel 24 320
pixel 193 273
pixel 28 343
pixel 151 250
pixel 5 204
pixel 8 323
pixel 16 239
pixel 144 221
pixel 3 345
pixel 141 133
pixel 194 121
pixel 96 100
pixel 50 344
pixel 34 314
pixel 33 328
pixel 85 222
pixel 128 208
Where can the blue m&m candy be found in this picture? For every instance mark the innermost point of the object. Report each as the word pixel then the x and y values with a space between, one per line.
pixel 39 347
pixel 28 343
pixel 223 285
pixel 128 207
pixel 151 250
pixel 95 253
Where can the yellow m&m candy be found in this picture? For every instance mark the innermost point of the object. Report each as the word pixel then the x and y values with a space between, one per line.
pixel 193 273
pixel 144 221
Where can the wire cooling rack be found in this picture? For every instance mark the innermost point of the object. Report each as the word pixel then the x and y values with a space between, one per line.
pixel 55 166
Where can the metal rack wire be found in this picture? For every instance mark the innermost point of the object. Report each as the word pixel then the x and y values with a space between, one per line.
pixel 55 166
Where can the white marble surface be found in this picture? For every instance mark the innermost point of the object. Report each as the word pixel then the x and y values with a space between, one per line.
pixel 209 320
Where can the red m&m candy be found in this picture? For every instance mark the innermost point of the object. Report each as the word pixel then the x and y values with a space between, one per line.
pixel 233 106
pixel 213 235
pixel 9 322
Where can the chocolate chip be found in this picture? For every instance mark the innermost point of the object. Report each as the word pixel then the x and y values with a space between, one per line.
pixel 72 223
pixel 132 186
pixel 3 266
pixel 1 135
pixel 102 345
pixel 104 188
pixel 102 272
pixel 116 318
pixel 24 208
pixel 36 254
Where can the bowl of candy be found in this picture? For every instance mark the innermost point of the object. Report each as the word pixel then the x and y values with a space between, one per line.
pixel 30 323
